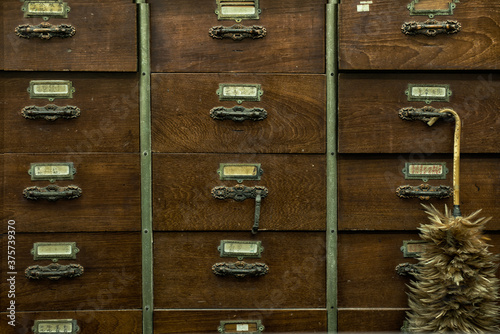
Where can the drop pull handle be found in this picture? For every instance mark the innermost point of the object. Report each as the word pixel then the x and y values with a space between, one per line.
pixel 424 192
pixel 52 193
pixel 50 112
pixel 240 193
pixel 240 269
pixel 431 28
pixel 54 271
pixel 45 30
pixel 237 32
pixel 238 114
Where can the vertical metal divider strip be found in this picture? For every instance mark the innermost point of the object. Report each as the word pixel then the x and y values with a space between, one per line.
pixel 331 163
pixel 146 173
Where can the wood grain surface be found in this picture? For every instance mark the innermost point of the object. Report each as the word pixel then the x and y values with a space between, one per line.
pixel 294 42
pixel 373 39
pixel 110 199
pixel 369 104
pixel 182 199
pixel 184 280
pixel 295 104
pixel 89 322
pixel 207 321
pixel 370 320
pixel 105 40
pixel 368 183
pixel 109 119
pixel 111 277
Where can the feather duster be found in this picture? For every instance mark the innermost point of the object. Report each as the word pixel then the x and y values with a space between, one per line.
pixel 456 289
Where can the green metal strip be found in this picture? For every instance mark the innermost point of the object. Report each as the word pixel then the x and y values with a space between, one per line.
pixel 331 162
pixel 146 195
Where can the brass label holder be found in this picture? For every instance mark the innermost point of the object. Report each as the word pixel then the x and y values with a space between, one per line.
pixel 415 10
pixel 51 89
pixel 240 171
pixel 45 9
pixel 239 92
pixel 428 93
pixel 52 171
pixel 425 171
pixel 54 251
pixel 240 249
pixel 237 10
pixel 413 248
pixel 50 326
pixel 241 326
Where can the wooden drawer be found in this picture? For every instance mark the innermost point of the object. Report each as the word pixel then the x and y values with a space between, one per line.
pixel 274 321
pixel 294 105
pixel 89 322
pixel 368 184
pixel 108 119
pixel 371 36
pixel 183 184
pixel 296 276
pixel 111 276
pixel 294 42
pixel 109 201
pixel 105 39
pixel 371 295
pixel 369 105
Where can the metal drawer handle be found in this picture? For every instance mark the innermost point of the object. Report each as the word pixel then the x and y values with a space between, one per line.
pixel 238 114
pixel 237 32
pixel 240 193
pixel 424 192
pixel 52 192
pixel 431 28
pixel 240 269
pixel 408 269
pixel 426 114
pixel 50 112
pixel 54 271
pixel 45 30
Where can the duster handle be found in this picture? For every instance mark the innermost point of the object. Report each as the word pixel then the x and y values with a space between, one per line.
pixel 456 162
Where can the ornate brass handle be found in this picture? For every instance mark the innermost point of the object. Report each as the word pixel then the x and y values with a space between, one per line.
pixel 54 271
pixel 426 114
pixel 52 192
pixel 238 114
pixel 407 269
pixel 50 112
pixel 431 28
pixel 45 30
pixel 240 193
pixel 424 192
pixel 237 32
pixel 240 269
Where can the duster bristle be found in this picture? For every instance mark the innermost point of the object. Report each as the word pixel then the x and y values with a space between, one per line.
pixel 456 289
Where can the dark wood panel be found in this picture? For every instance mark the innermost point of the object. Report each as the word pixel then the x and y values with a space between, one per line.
pixel 109 119
pixel 373 39
pixel 111 277
pixel 110 199
pixel 182 186
pixel 368 183
pixel 89 322
pixel 369 106
pixel 274 321
pixel 294 40
pixel 183 271
pixel 105 40
pixel 295 104
pixel 370 320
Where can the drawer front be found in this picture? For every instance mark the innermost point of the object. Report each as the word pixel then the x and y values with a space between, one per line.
pixel 111 277
pixel 372 37
pixel 109 198
pixel 273 321
pixel 101 115
pixel 88 322
pixel 183 186
pixel 295 277
pixel 180 39
pixel 377 320
pixel 369 105
pixel 376 206
pixel 187 118
pixel 104 39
